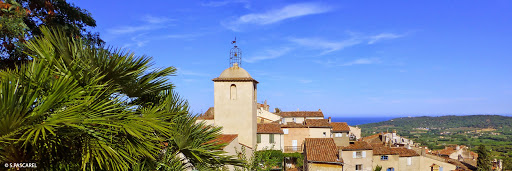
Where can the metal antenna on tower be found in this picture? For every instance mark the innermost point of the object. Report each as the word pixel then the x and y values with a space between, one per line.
pixel 235 55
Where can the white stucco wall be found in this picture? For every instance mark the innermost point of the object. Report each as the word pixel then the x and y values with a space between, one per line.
pixel 265 142
pixel 268 115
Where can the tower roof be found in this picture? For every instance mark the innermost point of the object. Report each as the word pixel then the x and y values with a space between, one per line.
pixel 235 73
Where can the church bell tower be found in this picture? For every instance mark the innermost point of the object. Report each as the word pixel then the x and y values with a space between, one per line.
pixel 235 100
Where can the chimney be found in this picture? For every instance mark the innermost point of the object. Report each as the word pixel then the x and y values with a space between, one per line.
pixel 340 154
pixel 320 110
pixel 457 147
pixel 329 119
pixel 265 102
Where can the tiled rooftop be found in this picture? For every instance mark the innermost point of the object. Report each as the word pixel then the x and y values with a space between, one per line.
pixel 321 150
pixel 224 138
pixel 357 145
pixel 302 114
pixel 269 128
pixel 317 123
pixel 404 152
pixel 340 127
pixel 383 151
pixel 208 115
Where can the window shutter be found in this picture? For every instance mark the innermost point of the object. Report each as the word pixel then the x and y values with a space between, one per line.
pixel 354 155
pixel 364 154
pixel 440 168
pixel 285 131
pixel 258 138
pixel 409 160
pixel 271 139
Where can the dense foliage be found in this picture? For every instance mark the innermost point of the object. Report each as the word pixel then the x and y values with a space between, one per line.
pixel 20 21
pixel 79 107
pixel 484 161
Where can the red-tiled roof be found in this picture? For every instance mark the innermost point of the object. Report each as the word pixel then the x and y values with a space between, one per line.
pixel 340 127
pixel 321 150
pixel 372 139
pixel 302 114
pixel 357 145
pixel 224 139
pixel 293 125
pixel 208 115
pixel 383 151
pixel 317 123
pixel 269 128
pixel 404 152
pixel 447 151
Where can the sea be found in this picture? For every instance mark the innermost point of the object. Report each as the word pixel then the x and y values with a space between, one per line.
pixel 352 121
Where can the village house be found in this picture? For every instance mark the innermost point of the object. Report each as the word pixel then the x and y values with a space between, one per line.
pixel 300 116
pixel 321 154
pixel 358 155
pixel 386 158
pixel 269 137
pixel 340 133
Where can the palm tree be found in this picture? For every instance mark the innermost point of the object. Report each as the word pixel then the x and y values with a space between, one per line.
pixel 80 107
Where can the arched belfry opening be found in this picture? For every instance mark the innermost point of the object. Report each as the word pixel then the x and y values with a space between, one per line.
pixel 233 92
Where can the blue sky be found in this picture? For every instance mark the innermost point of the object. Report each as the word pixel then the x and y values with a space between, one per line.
pixel 348 58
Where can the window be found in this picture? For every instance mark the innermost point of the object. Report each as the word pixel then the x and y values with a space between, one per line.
pixel 285 131
pixel 359 167
pixel 258 138
pixel 233 92
pixel 440 168
pixel 390 169
pixel 357 154
pixel 409 161
pixel 383 157
pixel 294 119
pixel 338 135
pixel 283 120
pixel 325 134
pixel 271 138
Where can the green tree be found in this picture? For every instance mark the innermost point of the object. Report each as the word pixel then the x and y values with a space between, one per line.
pixel 20 21
pixel 78 107
pixel 484 159
pixel 378 168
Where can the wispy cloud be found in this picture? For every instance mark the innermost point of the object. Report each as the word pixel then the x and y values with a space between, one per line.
pixel 383 36
pixel 149 23
pixel 326 46
pixel 132 29
pixel 305 81
pixel 359 61
pixel 156 20
pixel 274 16
pixel 226 2
pixel 268 54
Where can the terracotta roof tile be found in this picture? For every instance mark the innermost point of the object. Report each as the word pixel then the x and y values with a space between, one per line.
pixel 293 125
pixel 340 127
pixel 357 145
pixel 383 151
pixel 372 139
pixel 404 152
pixel 224 139
pixel 269 128
pixel 317 123
pixel 208 115
pixel 321 150
pixel 447 151
pixel 302 114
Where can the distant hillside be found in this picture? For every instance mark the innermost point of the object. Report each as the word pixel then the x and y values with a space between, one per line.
pixel 493 131
pixel 445 122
